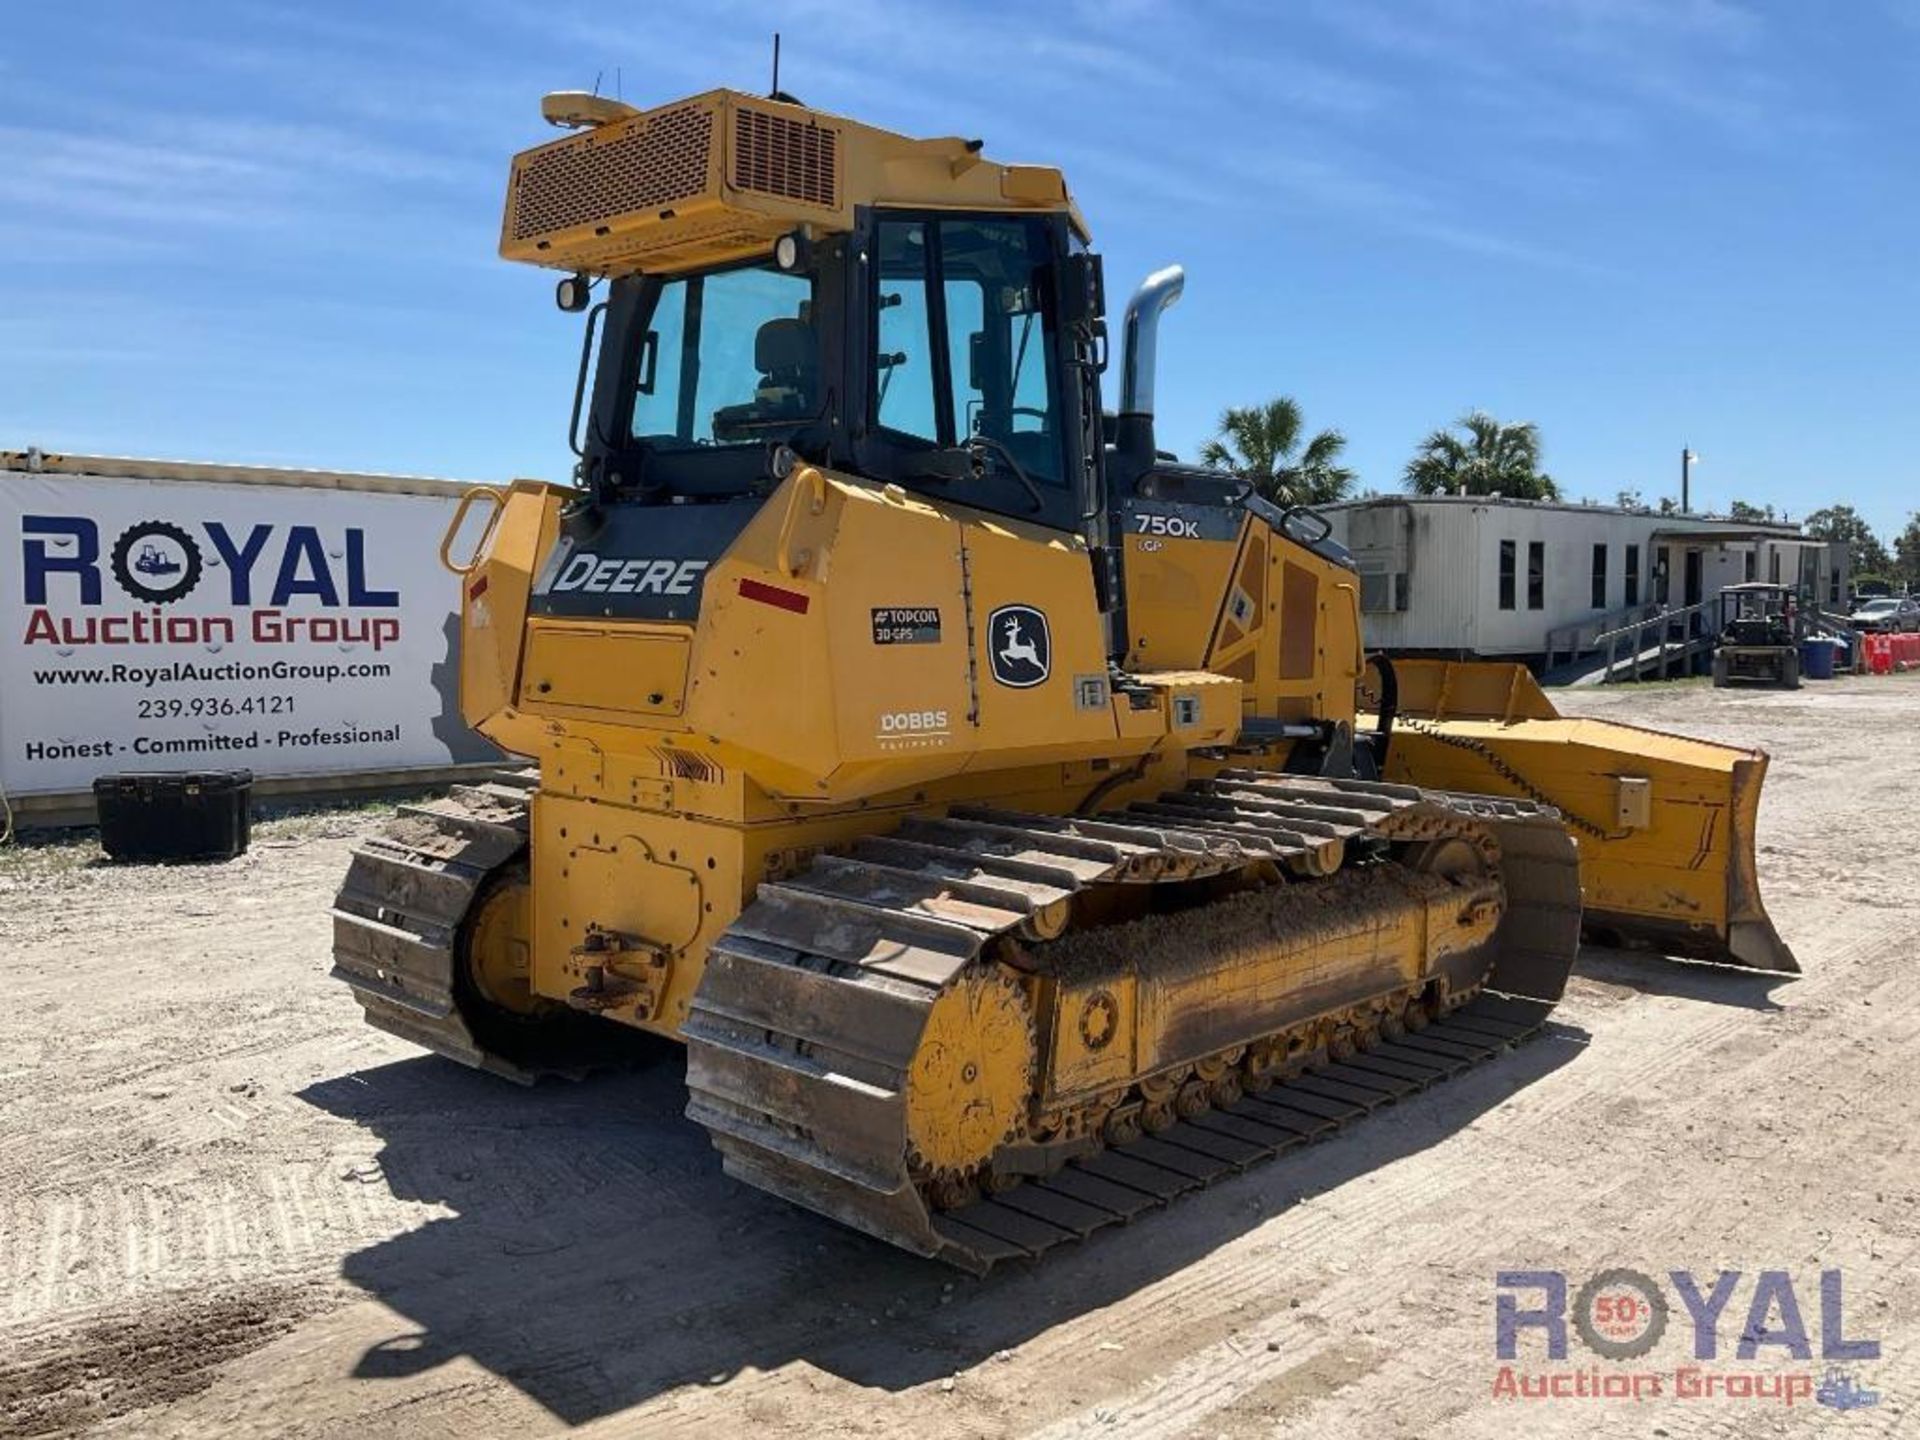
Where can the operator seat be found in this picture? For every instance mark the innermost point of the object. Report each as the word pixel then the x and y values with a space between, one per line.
pixel 786 352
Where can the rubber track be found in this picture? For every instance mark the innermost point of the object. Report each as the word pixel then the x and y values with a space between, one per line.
pixel 811 1007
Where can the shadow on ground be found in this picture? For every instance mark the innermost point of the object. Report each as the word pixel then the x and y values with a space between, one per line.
pixel 1652 974
pixel 596 1255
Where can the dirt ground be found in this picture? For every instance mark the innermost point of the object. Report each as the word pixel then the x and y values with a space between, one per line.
pixel 228 1207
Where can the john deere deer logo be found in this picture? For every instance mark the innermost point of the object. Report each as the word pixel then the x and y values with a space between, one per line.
pixel 1019 646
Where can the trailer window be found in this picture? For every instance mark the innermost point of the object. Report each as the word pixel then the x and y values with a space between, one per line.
pixel 1506 574
pixel 1600 577
pixel 1536 575
pixel 1632 578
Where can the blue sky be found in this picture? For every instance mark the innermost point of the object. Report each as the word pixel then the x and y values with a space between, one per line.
pixel 265 232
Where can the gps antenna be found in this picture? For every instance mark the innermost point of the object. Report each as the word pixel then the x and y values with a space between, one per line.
pixel 777 93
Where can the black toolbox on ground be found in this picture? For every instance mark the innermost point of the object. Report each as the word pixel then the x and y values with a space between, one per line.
pixel 175 814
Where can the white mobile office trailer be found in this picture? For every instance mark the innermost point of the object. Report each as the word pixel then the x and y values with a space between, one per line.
pixel 1467 575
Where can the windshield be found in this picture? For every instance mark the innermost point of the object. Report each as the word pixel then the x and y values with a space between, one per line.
pixel 1879 607
pixel 962 348
pixel 729 358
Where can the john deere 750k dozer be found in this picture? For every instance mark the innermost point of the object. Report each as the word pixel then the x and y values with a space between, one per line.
pixel 984 799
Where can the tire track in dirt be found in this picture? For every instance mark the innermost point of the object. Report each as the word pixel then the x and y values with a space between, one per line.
pixel 81 1250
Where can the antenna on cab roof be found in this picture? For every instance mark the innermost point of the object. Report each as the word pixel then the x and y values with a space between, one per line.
pixel 776 93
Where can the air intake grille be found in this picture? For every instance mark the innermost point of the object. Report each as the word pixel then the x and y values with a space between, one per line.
pixel 777 156
pixel 594 180
pixel 685 765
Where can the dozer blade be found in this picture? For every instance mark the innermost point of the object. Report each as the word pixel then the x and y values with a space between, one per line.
pixel 1665 824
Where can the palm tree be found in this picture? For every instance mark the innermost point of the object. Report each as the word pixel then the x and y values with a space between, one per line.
pixel 1492 459
pixel 1262 444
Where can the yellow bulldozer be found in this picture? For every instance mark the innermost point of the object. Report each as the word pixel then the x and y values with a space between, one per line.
pixel 1004 815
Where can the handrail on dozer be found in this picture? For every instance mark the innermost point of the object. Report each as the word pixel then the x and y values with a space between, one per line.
pixel 491 493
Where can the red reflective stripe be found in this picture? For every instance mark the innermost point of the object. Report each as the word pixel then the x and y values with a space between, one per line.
pixel 477 589
pixel 773 595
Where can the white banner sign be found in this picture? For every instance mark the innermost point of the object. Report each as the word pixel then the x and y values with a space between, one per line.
pixel 182 625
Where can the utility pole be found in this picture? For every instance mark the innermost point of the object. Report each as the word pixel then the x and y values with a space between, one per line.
pixel 1687 457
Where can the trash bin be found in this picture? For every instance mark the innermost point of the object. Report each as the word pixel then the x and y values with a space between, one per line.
pixel 1816 658
pixel 175 814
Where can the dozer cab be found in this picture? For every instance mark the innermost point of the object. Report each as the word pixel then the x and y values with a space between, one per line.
pixel 983 799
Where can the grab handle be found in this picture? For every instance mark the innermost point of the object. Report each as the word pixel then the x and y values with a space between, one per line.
pixel 498 499
pixel 810 482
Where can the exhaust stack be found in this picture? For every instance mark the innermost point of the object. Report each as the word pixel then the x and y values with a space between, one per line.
pixel 1140 335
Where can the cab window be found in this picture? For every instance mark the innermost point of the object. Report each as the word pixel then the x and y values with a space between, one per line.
pixel 728 358
pixel 963 348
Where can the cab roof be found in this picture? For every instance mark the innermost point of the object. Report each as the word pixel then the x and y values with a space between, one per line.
pixel 721 175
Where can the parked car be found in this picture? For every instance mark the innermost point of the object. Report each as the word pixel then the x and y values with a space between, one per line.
pixel 1890 614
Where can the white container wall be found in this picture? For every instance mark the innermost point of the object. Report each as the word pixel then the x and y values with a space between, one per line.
pixel 1476 575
